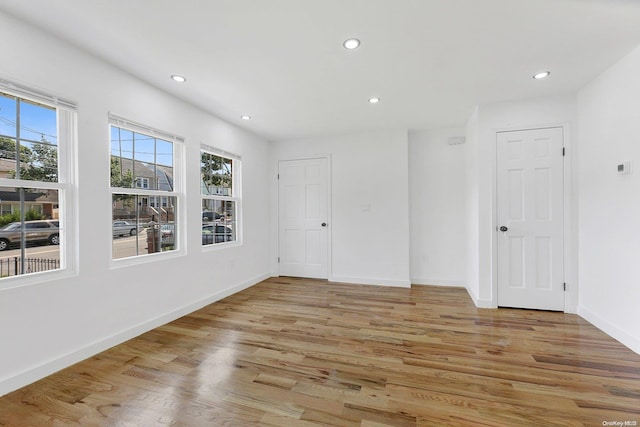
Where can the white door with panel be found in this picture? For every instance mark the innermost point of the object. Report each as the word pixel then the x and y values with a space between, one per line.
pixel 303 218
pixel 530 219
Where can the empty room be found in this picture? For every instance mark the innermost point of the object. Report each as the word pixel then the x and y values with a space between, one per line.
pixel 320 213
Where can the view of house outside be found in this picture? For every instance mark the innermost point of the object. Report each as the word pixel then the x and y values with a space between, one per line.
pixel 30 230
pixel 219 201
pixel 144 200
pixel 142 180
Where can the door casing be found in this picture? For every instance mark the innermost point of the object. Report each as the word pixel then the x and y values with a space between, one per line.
pixel 327 158
pixel 570 221
pixel 539 234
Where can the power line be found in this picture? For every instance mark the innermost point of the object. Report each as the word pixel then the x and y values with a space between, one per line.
pixel 10 122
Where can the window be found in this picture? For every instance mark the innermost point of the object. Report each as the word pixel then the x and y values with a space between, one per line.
pixel 35 181
pixel 220 197
pixel 142 182
pixel 140 224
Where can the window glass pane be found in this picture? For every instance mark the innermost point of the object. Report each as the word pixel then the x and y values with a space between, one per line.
pixel 144 161
pixel 144 149
pixel 36 140
pixel 38 123
pixel 121 158
pixel 32 245
pixel 164 153
pixel 140 161
pixel 121 143
pixel 121 172
pixel 164 178
pixel 39 162
pixel 216 174
pixel 218 221
pixel 7 115
pixel 140 226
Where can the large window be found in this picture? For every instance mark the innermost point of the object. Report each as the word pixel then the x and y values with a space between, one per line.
pixel 143 194
pixel 220 192
pixel 35 140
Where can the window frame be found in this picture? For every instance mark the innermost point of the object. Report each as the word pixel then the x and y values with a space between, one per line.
pixel 236 196
pixel 143 181
pixel 66 186
pixel 178 191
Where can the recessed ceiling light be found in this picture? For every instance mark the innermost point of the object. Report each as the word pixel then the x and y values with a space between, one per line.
pixel 178 78
pixel 374 100
pixel 245 117
pixel 351 44
pixel 541 75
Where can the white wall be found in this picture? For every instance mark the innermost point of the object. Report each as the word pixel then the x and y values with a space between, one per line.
pixel 437 194
pixel 609 203
pixel 526 114
pixel 472 206
pixel 369 223
pixel 51 324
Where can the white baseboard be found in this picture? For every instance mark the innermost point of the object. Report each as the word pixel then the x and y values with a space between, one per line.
pixel 370 281
pixel 438 282
pixel 31 375
pixel 480 303
pixel 608 328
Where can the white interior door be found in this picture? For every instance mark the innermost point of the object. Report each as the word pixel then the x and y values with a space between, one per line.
pixel 530 181
pixel 303 218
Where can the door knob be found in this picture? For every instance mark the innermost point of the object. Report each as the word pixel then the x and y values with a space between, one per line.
pixel 503 228
pixel 324 224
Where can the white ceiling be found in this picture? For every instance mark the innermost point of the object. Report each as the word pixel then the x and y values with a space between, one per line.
pixel 282 61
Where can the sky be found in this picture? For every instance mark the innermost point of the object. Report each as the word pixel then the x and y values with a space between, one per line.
pixel 147 148
pixel 36 121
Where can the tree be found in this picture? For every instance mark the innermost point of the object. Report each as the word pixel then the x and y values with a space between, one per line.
pixel 8 150
pixel 216 171
pixel 42 164
pixel 121 180
pixel 118 178
pixel 39 163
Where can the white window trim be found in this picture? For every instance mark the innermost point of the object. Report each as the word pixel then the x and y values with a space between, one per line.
pixel 236 191
pixel 178 191
pixel 66 113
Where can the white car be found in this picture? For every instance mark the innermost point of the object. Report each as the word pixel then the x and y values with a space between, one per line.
pixel 124 228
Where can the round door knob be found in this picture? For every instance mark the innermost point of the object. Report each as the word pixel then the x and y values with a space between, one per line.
pixel 324 224
pixel 503 228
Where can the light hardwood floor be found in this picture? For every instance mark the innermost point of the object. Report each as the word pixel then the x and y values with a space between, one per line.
pixel 300 352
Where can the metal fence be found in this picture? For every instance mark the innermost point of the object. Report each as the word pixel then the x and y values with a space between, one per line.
pixel 13 266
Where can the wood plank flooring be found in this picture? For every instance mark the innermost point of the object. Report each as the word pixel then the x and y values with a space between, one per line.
pixel 300 352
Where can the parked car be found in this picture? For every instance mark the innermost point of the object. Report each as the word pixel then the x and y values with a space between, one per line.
pixel 35 231
pixel 209 216
pixel 216 233
pixel 125 228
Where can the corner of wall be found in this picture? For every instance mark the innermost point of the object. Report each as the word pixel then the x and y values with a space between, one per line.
pixel 479 303
pixel 626 339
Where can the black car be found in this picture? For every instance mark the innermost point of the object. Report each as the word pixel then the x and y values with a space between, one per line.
pixel 208 216
pixel 216 233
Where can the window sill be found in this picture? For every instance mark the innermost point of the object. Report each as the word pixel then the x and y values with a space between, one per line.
pixel 219 246
pixel 146 258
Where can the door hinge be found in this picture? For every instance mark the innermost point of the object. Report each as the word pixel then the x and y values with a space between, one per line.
pixel 563 152
pixel 278 176
pixel 278 259
pixel 564 287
